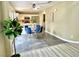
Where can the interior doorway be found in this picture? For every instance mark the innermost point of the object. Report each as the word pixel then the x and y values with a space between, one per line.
pixel 44 21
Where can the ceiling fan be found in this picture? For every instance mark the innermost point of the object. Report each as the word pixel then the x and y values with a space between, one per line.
pixel 36 5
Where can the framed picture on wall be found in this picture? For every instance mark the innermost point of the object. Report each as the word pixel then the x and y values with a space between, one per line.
pixel 34 19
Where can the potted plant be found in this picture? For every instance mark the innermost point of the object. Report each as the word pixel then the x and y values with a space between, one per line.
pixel 12 28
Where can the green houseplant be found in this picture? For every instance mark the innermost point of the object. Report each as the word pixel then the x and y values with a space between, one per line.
pixel 12 28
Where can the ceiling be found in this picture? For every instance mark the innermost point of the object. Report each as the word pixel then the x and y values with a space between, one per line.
pixel 26 6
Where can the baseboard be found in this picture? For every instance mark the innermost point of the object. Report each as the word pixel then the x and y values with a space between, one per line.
pixel 62 38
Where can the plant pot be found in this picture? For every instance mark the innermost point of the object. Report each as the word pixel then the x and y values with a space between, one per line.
pixel 16 55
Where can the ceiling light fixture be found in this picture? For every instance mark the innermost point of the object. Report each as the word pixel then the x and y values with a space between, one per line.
pixel 35 5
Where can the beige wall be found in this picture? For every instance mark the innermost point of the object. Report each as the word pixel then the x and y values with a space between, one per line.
pixel 5 9
pixel 66 20
pixel 2 41
pixel 41 18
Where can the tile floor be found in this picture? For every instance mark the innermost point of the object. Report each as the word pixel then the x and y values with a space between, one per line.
pixel 26 42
